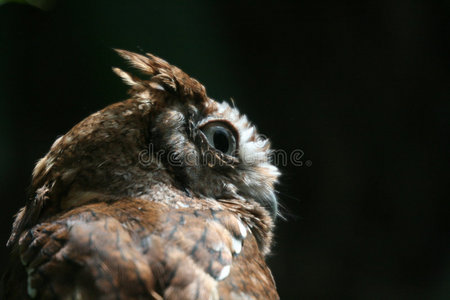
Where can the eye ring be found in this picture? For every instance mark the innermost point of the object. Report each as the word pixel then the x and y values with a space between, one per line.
pixel 220 136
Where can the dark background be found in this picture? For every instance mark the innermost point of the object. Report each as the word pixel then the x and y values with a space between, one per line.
pixel 362 89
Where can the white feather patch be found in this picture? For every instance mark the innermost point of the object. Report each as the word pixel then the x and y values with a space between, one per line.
pixel 242 229
pixel 236 245
pixel 224 273
pixel 157 86
pixel 217 247
pixel 32 292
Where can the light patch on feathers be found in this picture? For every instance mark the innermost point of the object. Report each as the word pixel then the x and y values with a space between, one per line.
pixel 181 204
pixel 247 134
pixel 145 94
pixel 127 113
pixel 156 86
pixel 40 165
pixel 49 164
pixel 230 188
pixel 224 273
pixel 236 245
pixel 252 154
pixel 43 166
pixel 67 139
pixel 127 78
pixel 217 246
pixel 145 101
pixel 242 229
pixel 240 296
pixel 269 170
pixel 56 142
pixel 220 107
pixel 142 106
pixel 242 122
pixel 32 292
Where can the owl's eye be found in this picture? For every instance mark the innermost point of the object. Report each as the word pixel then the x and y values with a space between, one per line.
pixel 220 137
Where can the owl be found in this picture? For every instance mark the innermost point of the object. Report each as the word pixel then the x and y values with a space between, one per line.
pixel 167 195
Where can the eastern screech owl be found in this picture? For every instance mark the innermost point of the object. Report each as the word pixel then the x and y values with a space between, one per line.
pixel 169 194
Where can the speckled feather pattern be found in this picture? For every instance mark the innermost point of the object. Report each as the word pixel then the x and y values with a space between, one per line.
pixel 101 224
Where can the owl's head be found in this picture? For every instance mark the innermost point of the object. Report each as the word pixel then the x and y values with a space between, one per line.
pixel 169 133
pixel 208 146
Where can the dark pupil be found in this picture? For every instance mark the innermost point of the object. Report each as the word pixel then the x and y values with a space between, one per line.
pixel 220 140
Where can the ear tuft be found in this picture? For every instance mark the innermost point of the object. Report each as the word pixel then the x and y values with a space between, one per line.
pixel 128 78
pixel 164 76
pixel 138 61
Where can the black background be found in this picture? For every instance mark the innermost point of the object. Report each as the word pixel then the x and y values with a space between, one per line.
pixel 362 89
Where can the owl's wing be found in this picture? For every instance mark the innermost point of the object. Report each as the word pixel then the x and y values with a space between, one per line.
pixel 82 259
pixel 135 249
pixel 210 254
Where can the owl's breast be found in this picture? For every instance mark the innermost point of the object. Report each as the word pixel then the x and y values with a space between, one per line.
pixel 207 251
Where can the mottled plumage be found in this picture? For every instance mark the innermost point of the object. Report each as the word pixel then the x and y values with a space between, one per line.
pixel 169 194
